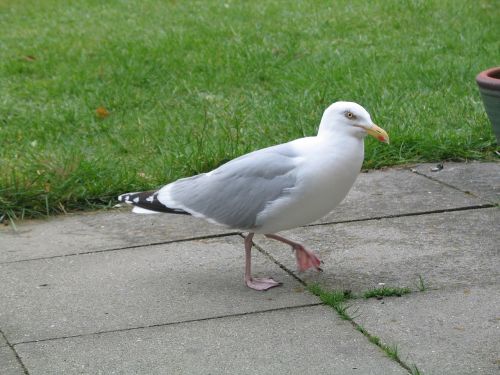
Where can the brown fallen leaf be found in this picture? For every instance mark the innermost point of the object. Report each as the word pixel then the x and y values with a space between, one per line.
pixel 29 58
pixel 101 112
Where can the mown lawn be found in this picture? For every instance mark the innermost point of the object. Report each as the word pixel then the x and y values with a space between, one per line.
pixel 187 85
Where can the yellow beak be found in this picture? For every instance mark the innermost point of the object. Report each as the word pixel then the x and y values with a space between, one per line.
pixel 379 133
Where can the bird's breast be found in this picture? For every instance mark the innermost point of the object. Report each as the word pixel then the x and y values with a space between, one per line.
pixel 323 181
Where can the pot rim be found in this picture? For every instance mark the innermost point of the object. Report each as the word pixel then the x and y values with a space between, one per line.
pixel 489 78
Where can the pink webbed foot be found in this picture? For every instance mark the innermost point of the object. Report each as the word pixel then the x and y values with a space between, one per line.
pixel 261 283
pixel 306 259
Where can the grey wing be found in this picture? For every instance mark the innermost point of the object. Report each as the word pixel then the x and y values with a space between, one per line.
pixel 236 192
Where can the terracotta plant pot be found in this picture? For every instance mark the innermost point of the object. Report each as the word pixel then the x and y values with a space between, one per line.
pixel 489 87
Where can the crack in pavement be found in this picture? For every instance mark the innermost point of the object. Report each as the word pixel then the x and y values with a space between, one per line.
pixel 18 359
pixel 467 192
pixel 409 214
pixel 228 234
pixel 167 324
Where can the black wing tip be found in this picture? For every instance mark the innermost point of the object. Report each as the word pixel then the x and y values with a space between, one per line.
pixel 149 201
pixel 123 198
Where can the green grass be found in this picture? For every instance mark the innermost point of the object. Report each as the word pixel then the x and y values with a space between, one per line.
pixel 335 299
pixel 192 84
pixel 422 287
pixel 386 292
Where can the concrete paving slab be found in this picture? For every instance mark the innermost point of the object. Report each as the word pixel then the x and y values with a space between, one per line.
pixel 70 234
pixel 442 332
pixel 309 340
pixel 481 179
pixel 446 249
pixel 90 293
pixel 9 365
pixel 395 192
pixel 2 341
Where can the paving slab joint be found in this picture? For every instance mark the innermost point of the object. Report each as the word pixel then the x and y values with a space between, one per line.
pixel 128 329
pixel 18 359
pixel 337 301
pixel 408 214
pixel 227 234
pixel 452 187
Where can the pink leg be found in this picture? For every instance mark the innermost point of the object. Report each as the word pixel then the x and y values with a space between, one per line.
pixel 305 258
pixel 255 283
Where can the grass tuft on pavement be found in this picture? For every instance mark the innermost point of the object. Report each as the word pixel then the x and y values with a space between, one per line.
pixel 338 301
pixel 386 292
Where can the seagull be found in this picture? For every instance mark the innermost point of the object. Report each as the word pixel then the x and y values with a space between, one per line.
pixel 275 188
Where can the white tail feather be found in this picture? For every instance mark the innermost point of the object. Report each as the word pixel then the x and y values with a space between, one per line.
pixel 140 210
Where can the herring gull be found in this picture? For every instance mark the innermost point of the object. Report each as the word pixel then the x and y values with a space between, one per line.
pixel 276 188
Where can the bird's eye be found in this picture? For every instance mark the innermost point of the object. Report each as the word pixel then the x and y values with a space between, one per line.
pixel 350 115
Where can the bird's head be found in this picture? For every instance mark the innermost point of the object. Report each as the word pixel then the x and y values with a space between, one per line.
pixel 352 119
